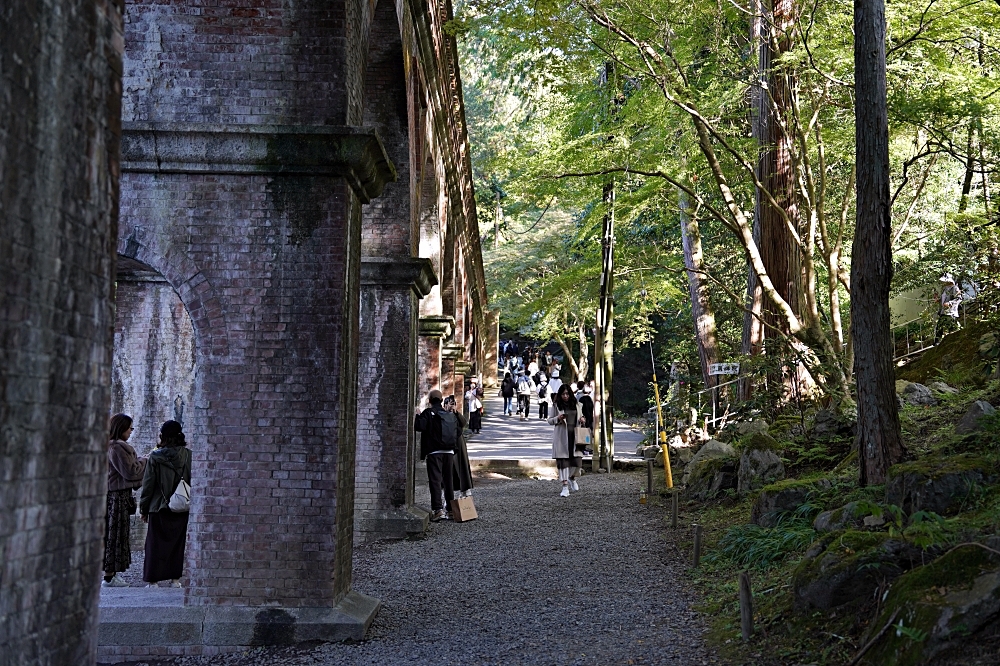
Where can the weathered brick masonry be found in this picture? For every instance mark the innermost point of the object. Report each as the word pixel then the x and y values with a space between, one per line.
pixel 295 178
pixel 60 73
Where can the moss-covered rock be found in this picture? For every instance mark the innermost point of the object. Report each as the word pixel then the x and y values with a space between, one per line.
pixel 934 605
pixel 848 566
pixel 708 478
pixel 943 485
pixel 759 467
pixel 847 516
pixel 782 497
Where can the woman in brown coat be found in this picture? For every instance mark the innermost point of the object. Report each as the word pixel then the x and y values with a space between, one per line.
pixel 125 471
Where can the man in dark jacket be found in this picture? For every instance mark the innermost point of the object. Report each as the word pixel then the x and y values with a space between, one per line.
pixel 507 393
pixel 439 432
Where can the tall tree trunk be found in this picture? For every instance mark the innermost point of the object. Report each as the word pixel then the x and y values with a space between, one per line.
pixel 701 305
pixel 970 170
pixel 606 326
pixel 775 171
pixel 879 440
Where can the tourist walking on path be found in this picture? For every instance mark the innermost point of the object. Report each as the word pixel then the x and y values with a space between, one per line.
pixel 439 432
pixel 566 418
pixel 125 472
pixel 525 387
pixel 475 405
pixel 461 468
pixel 168 465
pixel 543 399
pixel 555 384
pixel 507 393
pixel 586 403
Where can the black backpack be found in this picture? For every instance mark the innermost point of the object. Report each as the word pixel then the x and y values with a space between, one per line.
pixel 449 429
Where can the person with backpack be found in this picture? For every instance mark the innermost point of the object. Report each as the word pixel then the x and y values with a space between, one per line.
pixel 163 504
pixel 507 393
pixel 543 398
pixel 525 387
pixel 439 432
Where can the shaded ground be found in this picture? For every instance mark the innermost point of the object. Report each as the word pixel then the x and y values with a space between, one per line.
pixel 538 579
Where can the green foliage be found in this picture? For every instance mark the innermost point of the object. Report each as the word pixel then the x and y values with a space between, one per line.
pixel 761 547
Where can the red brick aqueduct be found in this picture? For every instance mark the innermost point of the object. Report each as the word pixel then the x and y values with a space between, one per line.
pixel 281 195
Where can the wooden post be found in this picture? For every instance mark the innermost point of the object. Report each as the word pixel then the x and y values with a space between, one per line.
pixel 746 607
pixel 673 510
pixel 697 544
pixel 649 477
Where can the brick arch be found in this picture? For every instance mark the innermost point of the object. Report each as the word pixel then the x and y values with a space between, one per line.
pixel 191 285
pixel 389 223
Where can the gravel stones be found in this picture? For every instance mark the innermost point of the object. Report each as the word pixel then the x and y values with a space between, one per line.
pixel 537 579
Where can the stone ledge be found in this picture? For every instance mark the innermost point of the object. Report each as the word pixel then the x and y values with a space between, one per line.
pixel 453 352
pixel 138 617
pixel 416 273
pixel 353 153
pixel 437 327
pixel 398 523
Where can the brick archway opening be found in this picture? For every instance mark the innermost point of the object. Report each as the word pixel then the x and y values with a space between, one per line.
pixel 154 367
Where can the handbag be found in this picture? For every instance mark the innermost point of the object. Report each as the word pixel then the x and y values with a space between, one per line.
pixel 583 437
pixel 131 505
pixel 180 501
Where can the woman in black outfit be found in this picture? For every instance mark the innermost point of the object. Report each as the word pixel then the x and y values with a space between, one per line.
pixel 165 539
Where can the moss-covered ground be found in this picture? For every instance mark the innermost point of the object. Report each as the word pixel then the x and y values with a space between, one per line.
pixel 782 634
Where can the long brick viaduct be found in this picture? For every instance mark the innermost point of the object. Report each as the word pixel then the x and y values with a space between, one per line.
pixel 281 194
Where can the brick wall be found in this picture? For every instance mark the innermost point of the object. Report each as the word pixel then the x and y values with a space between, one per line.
pixel 60 68
pixel 268 267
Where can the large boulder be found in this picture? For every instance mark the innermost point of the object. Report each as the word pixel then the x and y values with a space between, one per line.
pixel 847 516
pixel 844 567
pixel 918 394
pixel 710 477
pixel 971 422
pixel 745 428
pixel 711 449
pixel 941 387
pixel 937 605
pixel 759 464
pixel 783 497
pixel 942 485
pixel 828 424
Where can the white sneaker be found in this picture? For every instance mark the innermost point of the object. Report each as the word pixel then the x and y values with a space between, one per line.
pixel 565 492
pixel 574 485
pixel 116 581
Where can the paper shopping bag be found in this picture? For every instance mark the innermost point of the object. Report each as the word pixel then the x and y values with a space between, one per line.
pixel 463 509
pixel 584 437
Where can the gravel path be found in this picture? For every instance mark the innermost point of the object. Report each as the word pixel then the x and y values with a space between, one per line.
pixel 538 579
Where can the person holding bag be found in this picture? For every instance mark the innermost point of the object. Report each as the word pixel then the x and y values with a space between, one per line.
pixel 164 503
pixel 125 472
pixel 566 418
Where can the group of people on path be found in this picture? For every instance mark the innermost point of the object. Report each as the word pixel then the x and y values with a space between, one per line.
pixel 162 504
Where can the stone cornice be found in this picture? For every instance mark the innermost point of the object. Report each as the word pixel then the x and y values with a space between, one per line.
pixel 453 352
pixel 353 153
pixel 463 368
pixel 414 272
pixel 437 327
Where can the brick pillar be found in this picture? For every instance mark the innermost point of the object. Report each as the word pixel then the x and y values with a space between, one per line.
pixel 452 379
pixel 430 373
pixel 60 82
pixel 387 377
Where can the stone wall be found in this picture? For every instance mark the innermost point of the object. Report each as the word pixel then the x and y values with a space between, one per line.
pixel 60 63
